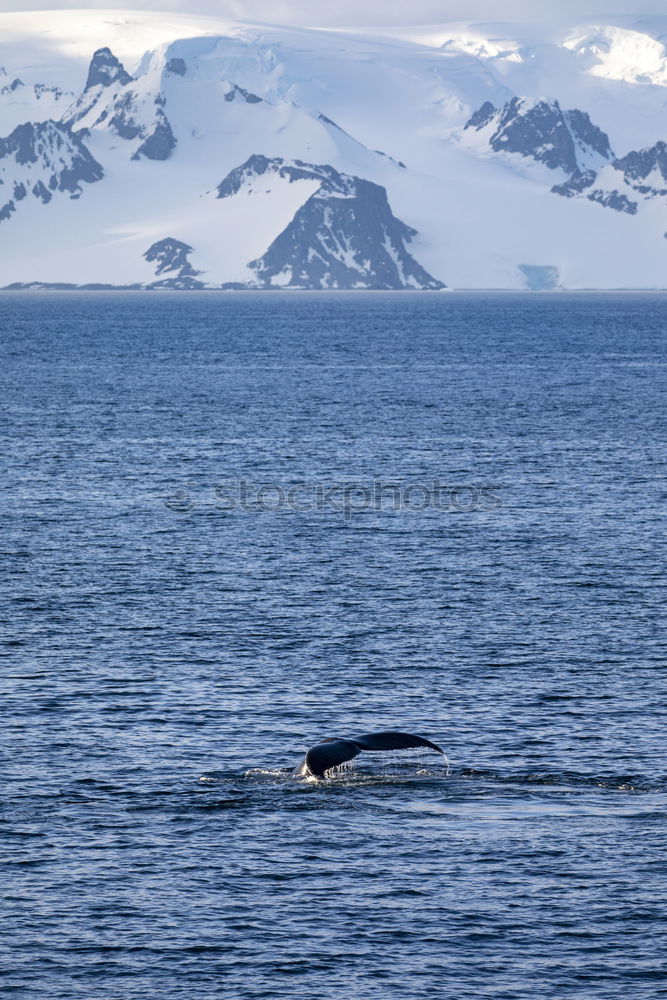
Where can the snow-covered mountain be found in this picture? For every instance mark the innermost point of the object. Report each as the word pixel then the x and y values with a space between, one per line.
pixel 150 150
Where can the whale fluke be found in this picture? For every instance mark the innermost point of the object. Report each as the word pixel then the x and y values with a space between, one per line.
pixel 393 741
pixel 332 751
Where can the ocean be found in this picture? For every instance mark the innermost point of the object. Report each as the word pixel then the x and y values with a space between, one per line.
pixel 235 524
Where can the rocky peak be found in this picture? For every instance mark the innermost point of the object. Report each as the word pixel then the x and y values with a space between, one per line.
pixel 292 170
pixel 343 236
pixel 639 164
pixel 44 158
pixel 126 111
pixel 159 142
pixel 241 94
pixel 482 116
pixel 543 131
pixel 106 69
pixel 170 257
pixel 9 88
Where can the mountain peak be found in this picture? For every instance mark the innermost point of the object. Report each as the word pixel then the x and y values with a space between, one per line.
pixel 317 206
pixel 344 235
pixel 105 69
pixel 638 165
pixel 44 158
pixel 258 165
pixel 539 128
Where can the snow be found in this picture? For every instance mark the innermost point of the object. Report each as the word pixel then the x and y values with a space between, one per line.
pixel 406 92
pixel 619 54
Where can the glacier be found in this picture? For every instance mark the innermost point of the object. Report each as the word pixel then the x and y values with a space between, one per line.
pixel 161 151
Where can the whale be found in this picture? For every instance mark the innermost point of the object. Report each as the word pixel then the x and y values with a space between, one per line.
pixel 334 751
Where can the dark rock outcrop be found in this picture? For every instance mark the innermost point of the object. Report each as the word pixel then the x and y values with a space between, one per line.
pixel 170 255
pixel 185 284
pixel 122 119
pixel 50 159
pixel 104 93
pixel 105 69
pixel 122 108
pixel 482 116
pixel 40 90
pixel 171 258
pixel 241 94
pixel 258 165
pixel 613 199
pixel 343 236
pixel 160 143
pixel 176 66
pixel 575 184
pixel 9 88
pixel 124 115
pixel 570 141
pixel 638 165
pixel 543 131
pixel 42 192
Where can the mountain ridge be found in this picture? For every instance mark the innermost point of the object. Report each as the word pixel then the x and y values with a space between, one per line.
pixel 471 150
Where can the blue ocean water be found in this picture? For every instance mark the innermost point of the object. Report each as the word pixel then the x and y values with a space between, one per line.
pixel 171 645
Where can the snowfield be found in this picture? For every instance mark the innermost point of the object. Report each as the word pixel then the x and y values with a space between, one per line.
pixel 458 156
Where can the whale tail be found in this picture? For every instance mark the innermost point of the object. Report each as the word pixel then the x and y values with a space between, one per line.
pixel 332 752
pixel 394 741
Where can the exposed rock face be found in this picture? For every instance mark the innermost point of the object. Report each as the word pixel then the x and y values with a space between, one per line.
pixel 578 183
pixel 588 138
pixel 614 199
pixel 171 258
pixel 241 94
pixel 343 236
pixel 106 78
pixel 569 141
pixel 482 116
pixel 638 166
pixel 9 88
pixel 543 131
pixel 40 91
pixel 177 66
pixel 45 158
pixel 575 184
pixel 133 112
pixel 160 143
pixel 258 165
pixel 106 69
pixel 122 119
pixel 109 98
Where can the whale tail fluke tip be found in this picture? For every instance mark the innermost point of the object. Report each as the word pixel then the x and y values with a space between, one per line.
pixel 332 752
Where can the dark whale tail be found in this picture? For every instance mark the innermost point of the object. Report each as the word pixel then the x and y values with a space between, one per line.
pixel 332 752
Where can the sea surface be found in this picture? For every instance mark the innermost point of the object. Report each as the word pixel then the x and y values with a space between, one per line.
pixel 473 550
